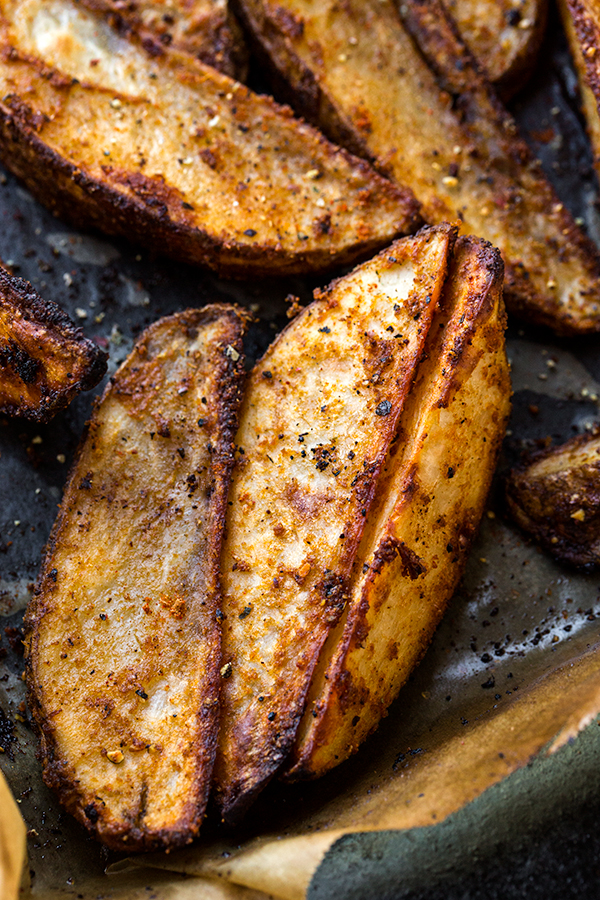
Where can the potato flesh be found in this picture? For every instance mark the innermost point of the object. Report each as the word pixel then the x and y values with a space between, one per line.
pixel 319 413
pixel 123 640
pixel 429 502
pixel 369 85
pixel 504 38
pixel 166 149
pixel 44 358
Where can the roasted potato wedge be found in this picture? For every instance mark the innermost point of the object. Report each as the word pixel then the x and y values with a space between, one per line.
pixel 419 107
pixel 429 501
pixel 504 37
pixel 45 360
pixel 169 152
pixel 556 498
pixel 123 642
pixel 205 28
pixel 320 411
pixel 581 19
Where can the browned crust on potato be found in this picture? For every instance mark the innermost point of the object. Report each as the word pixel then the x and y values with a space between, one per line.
pixel 588 32
pixel 45 359
pixel 112 821
pixel 243 231
pixel 555 497
pixel 415 546
pixel 207 29
pixel 552 270
pixel 319 415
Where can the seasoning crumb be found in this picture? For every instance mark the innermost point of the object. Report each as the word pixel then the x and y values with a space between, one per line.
pixel 115 756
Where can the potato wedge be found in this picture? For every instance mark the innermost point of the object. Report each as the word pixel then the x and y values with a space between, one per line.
pixel 319 414
pixel 556 499
pixel 123 641
pixel 169 152
pixel 205 28
pixel 429 502
pixel 504 37
pixel 45 360
pixel 438 128
pixel 581 20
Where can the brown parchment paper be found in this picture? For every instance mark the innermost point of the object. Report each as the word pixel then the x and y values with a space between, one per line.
pixel 12 844
pixel 513 671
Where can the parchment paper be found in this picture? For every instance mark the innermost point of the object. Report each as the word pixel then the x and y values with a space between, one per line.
pixel 512 676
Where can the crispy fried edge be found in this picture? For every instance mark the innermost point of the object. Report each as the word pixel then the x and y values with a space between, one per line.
pixel 18 294
pixel 58 776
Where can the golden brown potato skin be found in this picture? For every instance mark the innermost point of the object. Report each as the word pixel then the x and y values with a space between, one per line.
pixel 123 642
pixel 581 20
pixel 556 499
pixel 429 502
pixel 503 37
pixel 205 28
pixel 320 411
pixel 410 98
pixel 175 155
pixel 45 360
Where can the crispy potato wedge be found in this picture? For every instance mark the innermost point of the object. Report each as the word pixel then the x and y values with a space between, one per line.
pixel 429 502
pixel 504 37
pixel 45 360
pixel 205 28
pixel 169 152
pixel 556 498
pixel 581 20
pixel 320 411
pixel 123 641
pixel 438 128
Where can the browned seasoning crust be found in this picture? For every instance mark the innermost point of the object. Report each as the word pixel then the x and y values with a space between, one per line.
pixel 318 417
pixel 122 635
pixel 170 153
pixel 581 21
pixel 432 122
pixel 45 360
pixel 555 497
pixel 205 28
pixel 429 502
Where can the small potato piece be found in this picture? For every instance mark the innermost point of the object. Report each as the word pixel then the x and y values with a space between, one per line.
pixel 123 642
pixel 45 360
pixel 581 20
pixel 320 411
pixel 556 498
pixel 429 502
pixel 171 153
pixel 408 96
pixel 205 28
pixel 504 37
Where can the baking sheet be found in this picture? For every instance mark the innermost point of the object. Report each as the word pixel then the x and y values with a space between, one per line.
pixel 513 668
